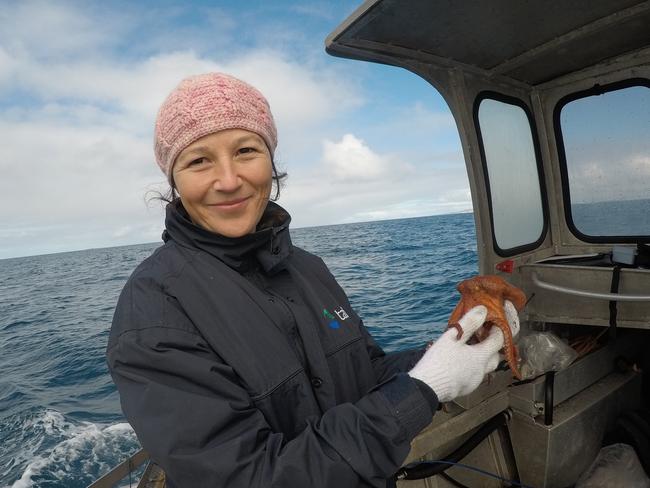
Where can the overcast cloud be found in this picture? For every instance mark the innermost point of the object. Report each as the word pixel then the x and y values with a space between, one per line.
pixel 78 107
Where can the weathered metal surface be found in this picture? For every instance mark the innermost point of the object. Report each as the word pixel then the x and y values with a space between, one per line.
pixel 554 307
pixel 488 455
pixel 529 397
pixel 556 455
pixel 497 37
pixel 449 430
pixel 494 383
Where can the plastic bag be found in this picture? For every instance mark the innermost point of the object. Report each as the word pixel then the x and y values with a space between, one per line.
pixel 616 465
pixel 544 351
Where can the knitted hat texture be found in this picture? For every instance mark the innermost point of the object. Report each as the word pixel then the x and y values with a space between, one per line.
pixel 205 104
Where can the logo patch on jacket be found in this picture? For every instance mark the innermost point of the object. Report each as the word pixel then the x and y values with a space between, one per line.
pixel 342 314
pixel 333 323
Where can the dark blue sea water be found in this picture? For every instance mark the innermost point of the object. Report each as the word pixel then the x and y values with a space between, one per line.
pixel 60 419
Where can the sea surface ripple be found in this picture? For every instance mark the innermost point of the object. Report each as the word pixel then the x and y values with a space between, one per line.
pixel 60 419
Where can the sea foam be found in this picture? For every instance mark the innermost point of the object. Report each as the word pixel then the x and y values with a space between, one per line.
pixel 82 452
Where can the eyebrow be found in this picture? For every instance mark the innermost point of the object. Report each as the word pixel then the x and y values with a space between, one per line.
pixel 197 149
pixel 239 140
pixel 246 137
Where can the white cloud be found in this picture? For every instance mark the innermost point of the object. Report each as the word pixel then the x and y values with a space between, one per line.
pixel 413 208
pixel 49 29
pixel 351 160
pixel 356 183
pixel 67 53
pixel 79 176
pixel 457 196
pixel 641 163
pixel 298 94
pixel 598 180
pixel 7 66
pixel 133 91
pixel 136 90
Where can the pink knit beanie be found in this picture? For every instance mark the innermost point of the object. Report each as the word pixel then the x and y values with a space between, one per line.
pixel 205 104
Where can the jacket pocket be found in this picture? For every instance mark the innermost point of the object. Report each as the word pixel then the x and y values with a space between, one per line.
pixel 287 406
pixel 351 370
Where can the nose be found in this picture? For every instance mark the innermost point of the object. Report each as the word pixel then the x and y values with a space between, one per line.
pixel 227 179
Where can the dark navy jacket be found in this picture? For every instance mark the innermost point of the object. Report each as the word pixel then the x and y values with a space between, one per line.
pixel 240 363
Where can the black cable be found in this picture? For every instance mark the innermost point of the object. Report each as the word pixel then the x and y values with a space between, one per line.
pixel 425 469
pixel 613 309
pixel 529 299
pixel 451 480
pixel 484 472
pixel 549 381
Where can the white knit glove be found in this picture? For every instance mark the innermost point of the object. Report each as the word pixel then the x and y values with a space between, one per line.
pixel 453 368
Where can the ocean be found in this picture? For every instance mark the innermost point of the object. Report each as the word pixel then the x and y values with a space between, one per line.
pixel 60 420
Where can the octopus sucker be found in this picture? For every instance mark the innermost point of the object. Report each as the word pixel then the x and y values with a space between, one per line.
pixel 490 291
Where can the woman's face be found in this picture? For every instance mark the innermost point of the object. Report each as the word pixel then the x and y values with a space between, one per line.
pixel 224 181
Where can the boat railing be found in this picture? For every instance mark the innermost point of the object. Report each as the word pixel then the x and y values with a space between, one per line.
pixel 620 297
pixel 153 476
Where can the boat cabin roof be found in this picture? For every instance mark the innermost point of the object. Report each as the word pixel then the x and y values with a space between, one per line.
pixel 530 41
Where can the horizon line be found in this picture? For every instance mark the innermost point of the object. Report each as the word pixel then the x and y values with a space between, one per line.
pixel 293 228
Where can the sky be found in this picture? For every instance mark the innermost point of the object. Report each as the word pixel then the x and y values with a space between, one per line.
pixel 81 82
pixel 607 146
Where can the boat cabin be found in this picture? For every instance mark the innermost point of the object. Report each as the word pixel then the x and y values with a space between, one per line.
pixel 552 103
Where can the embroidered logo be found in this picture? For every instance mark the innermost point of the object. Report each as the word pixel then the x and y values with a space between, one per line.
pixel 342 314
pixel 333 323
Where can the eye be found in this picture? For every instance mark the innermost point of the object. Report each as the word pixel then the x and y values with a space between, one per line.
pixel 246 150
pixel 196 162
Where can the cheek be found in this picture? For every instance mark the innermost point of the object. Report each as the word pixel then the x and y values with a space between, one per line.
pixel 263 179
pixel 189 187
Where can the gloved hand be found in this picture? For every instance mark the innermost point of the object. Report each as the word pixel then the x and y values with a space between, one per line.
pixel 453 368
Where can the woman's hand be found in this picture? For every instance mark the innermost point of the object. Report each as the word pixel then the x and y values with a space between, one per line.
pixel 451 367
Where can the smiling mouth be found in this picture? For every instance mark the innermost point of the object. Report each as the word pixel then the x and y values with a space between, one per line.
pixel 231 204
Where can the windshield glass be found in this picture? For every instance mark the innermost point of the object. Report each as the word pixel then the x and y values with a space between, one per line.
pixel 606 138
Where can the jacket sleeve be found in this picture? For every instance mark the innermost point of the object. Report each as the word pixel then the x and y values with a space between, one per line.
pixel 389 364
pixel 199 424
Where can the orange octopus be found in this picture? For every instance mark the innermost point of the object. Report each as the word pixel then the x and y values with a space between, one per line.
pixel 491 291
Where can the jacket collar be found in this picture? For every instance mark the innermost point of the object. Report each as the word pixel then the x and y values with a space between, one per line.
pixel 269 245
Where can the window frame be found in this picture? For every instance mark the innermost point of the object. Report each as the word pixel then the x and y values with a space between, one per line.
pixel 499 97
pixel 595 90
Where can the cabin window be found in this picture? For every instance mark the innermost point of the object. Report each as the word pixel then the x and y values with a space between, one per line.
pixel 511 164
pixel 604 143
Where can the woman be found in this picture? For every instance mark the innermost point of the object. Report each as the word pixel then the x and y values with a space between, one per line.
pixel 238 358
